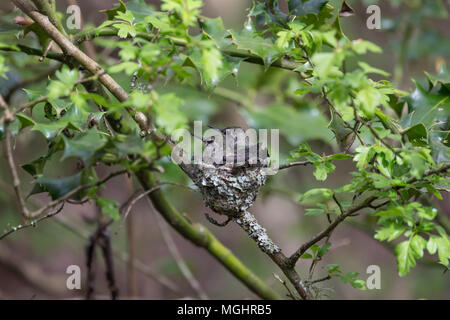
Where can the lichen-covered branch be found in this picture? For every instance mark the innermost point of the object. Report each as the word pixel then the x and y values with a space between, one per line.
pixel 202 237
pixel 255 231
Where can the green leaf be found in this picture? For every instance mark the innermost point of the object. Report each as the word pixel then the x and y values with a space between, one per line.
pixel 50 130
pixel 111 13
pixel 128 67
pixel 84 146
pixel 443 77
pixel 255 44
pixel 168 114
pixel 212 63
pixel 368 99
pixel 407 252
pixel 425 107
pixel 363 155
pixel 305 7
pixel 322 169
pixel 125 16
pixel 389 232
pixel 124 29
pixel 432 244
pixel 369 69
pixel 443 246
pixel 324 61
pixel 362 46
pixel 417 135
pixel 35 167
pixel 340 156
pixel 109 207
pixel 58 188
pixel 283 39
pixel 324 249
pixel 214 29
pixel 188 10
pixel 314 212
pixel 315 196
pixel 333 269
pixel 67 78
pixel 350 277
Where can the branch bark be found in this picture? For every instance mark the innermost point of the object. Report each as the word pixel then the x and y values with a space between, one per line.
pixel 197 234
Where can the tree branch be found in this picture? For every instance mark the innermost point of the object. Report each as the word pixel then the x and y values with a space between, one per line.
pixel 199 235
pixel 10 159
pixel 282 63
pixel 365 204
pixel 202 237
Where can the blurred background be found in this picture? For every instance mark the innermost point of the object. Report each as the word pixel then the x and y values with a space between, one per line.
pixel 415 37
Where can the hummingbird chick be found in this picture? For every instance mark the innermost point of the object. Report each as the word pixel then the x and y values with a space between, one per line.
pixel 231 171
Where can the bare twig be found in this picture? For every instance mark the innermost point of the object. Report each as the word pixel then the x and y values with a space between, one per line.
pixel 37 215
pixel 46 51
pixel 32 223
pixel 10 159
pixel 105 244
pixel 308 283
pixel 90 264
pixel 290 294
pixel 173 249
pixel 131 239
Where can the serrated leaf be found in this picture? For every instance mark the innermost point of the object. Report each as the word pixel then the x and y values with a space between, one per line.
pixel 111 13
pixel 109 207
pixel 314 212
pixel 425 107
pixel 389 232
pixel 315 196
pixel 407 252
pixel 302 8
pixel 58 188
pixel 255 44
pixel 84 146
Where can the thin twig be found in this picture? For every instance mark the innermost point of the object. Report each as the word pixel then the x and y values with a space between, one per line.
pixel 105 245
pixel 10 159
pixel 173 249
pixel 290 294
pixel 37 215
pixel 367 203
pixel 32 223
pixel 46 51
pixel 308 283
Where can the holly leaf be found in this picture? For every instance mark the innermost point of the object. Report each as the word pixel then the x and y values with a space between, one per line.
pixel 264 48
pixel 302 8
pixel 425 107
pixel 84 146
pixel 111 13
pixel 57 188
pixel 215 30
